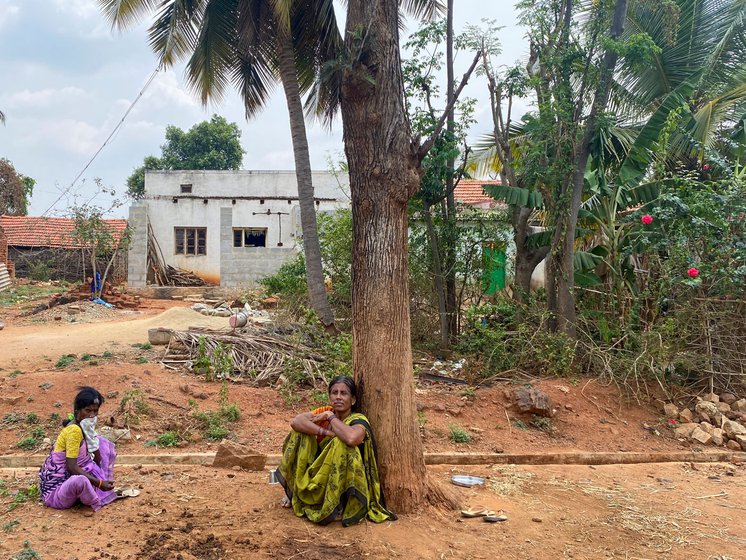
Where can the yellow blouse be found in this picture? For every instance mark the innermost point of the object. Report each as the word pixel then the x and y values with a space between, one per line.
pixel 69 441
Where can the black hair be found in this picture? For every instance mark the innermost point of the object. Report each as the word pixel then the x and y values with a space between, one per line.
pixel 347 380
pixel 86 396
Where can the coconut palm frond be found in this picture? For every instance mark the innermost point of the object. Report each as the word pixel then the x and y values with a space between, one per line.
pixel 215 54
pixel 125 13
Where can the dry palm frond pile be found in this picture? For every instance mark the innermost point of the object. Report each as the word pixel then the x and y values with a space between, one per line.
pixel 248 354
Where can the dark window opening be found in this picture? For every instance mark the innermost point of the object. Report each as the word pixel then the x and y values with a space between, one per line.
pixel 190 241
pixel 186 189
pixel 250 237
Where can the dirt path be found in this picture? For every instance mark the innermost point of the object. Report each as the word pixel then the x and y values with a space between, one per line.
pixel 676 511
pixel 27 343
pixel 673 511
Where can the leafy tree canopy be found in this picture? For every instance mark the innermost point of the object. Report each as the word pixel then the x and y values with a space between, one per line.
pixel 15 190
pixel 213 144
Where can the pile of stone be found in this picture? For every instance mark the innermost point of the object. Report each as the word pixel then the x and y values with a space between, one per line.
pixel 716 420
pixel 223 309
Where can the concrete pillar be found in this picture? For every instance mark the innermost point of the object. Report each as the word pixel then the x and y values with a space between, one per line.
pixel 137 257
pixel 226 246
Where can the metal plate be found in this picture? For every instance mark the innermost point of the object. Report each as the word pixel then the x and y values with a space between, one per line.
pixel 466 481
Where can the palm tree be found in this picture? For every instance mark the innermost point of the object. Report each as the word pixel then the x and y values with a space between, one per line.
pixel 251 43
pixel 702 59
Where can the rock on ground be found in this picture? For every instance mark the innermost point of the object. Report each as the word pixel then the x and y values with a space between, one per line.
pixel 231 454
pixel 533 401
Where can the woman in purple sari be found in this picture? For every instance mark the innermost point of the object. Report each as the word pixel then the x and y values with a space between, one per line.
pixel 80 467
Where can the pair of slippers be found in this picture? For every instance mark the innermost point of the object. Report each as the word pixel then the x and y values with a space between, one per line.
pixel 490 516
pixel 127 492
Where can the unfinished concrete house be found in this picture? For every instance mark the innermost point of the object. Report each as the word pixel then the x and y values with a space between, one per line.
pixel 224 228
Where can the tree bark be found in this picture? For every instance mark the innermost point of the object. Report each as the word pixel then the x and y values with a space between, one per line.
pixel 383 167
pixel 311 248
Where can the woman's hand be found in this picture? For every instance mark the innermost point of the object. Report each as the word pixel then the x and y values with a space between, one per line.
pixel 322 416
pixel 107 485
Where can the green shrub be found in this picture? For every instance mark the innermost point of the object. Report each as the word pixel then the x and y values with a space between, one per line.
pixel 39 271
pixel 290 278
pixel 459 435
pixel 64 361
pixel 28 443
pixel 216 432
pixel 27 553
pixel 168 439
pixel 25 495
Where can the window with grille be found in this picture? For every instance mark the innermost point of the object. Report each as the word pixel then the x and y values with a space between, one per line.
pixel 249 237
pixel 186 189
pixel 190 241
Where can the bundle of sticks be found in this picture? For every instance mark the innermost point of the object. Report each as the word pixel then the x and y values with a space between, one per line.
pixel 256 356
pixel 165 274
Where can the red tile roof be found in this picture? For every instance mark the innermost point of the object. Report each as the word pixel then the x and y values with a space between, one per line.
pixel 32 231
pixel 471 193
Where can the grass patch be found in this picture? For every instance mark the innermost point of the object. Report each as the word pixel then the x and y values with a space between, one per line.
pixel 107 354
pixel 542 423
pixel 133 406
pixel 27 553
pixel 14 417
pixel 26 293
pixel 459 435
pixel 64 361
pixel 166 439
pixel 213 424
pixel 141 360
pixel 33 440
pixel 25 495
pixel 10 525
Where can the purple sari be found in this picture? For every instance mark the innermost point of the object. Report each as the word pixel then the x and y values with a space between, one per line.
pixel 61 490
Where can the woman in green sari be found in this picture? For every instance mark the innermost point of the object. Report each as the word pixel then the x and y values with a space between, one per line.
pixel 329 469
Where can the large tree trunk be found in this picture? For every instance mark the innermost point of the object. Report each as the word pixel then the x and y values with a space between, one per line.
pixel 563 246
pixel 526 260
pixel 383 166
pixel 311 249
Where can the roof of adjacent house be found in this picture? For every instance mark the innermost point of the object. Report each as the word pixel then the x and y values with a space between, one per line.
pixel 33 231
pixel 471 193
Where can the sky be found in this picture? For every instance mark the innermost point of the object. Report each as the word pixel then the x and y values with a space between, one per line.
pixel 68 79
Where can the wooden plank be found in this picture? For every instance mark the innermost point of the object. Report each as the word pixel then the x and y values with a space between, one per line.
pixel 565 458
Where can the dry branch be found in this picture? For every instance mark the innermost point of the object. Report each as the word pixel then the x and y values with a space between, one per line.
pixel 258 357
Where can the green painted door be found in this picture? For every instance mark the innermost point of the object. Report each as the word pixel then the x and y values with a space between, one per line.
pixel 493 267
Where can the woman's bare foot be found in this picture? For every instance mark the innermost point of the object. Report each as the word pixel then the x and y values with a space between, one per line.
pixel 285 502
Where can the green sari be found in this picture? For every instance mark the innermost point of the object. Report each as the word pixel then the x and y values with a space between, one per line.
pixel 326 480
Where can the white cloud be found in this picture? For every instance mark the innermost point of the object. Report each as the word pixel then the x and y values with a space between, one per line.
pixel 83 18
pixel 43 97
pixel 72 136
pixel 79 9
pixel 275 160
pixel 166 91
pixel 8 13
